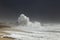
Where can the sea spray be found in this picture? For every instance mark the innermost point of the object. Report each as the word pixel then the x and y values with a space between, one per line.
pixel 25 28
pixel 24 20
pixel 25 24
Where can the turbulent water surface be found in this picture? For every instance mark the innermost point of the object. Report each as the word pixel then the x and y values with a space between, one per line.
pixel 27 30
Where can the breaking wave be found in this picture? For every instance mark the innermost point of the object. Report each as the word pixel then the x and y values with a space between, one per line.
pixel 27 30
pixel 25 23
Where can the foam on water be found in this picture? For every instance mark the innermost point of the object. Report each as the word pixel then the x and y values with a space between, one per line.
pixel 25 23
pixel 32 30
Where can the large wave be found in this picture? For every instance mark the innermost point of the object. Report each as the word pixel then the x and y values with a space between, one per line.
pixel 25 23
pixel 27 30
pixel 24 20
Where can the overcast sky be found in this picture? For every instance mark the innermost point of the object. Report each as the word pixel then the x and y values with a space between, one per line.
pixel 42 10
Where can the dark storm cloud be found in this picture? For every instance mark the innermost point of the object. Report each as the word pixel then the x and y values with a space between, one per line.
pixel 44 10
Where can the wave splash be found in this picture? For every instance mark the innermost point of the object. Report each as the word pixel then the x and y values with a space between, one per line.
pixel 27 26
pixel 25 23
pixel 24 20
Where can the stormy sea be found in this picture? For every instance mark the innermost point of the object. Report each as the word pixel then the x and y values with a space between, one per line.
pixel 28 30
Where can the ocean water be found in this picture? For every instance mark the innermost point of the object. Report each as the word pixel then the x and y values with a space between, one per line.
pixel 27 34
pixel 27 30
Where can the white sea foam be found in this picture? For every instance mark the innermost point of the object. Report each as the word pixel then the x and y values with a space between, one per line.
pixel 33 30
pixel 24 20
pixel 25 23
